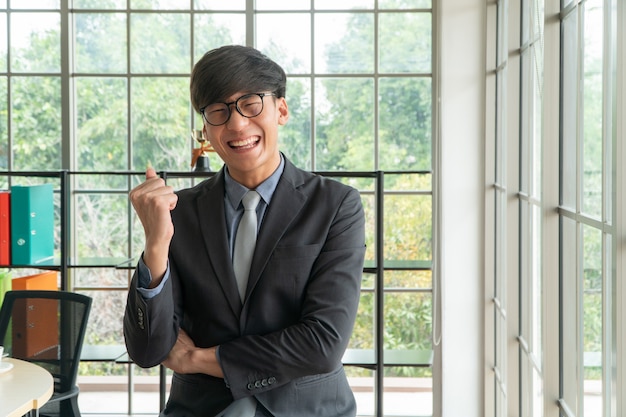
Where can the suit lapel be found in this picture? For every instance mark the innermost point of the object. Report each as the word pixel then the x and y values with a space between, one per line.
pixel 210 206
pixel 286 203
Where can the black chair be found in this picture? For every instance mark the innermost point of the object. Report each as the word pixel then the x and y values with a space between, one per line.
pixel 48 328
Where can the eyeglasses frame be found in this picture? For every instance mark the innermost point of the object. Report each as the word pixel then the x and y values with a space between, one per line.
pixel 236 103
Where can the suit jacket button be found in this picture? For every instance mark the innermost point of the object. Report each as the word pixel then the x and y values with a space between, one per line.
pixel 250 386
pixel 264 382
pixel 257 384
pixel 271 380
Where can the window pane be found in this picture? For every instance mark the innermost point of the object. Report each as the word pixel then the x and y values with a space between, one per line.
pixel 408 324
pixel 525 385
pixel 159 4
pixel 592 111
pixel 537 394
pixel 500 255
pixel 525 122
pixel 565 3
pixel 404 4
pixel 524 279
pixel 4 125
pixel 35 42
pixel 105 322
pixel 569 111
pixel 592 313
pixel 500 342
pixel 3 42
pixel 570 296
pixel 283 5
pixel 363 333
pixel 349 47
pixel 100 43
pixel 158 105
pixel 170 54
pixel 409 279
pixel 405 123
pixel 537 117
pixel 35 4
pixel 102 228
pixel 362 383
pixel 408 237
pixel 344 124
pixel 112 181
pixel 295 136
pixel 408 392
pixel 91 4
pixel 343 5
pixel 220 5
pixel 214 30
pixel 405 42
pixel 102 124
pixel 36 123
pixel 397 181
pixel 536 289
pixel 286 38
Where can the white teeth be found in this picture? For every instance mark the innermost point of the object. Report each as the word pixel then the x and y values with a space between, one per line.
pixel 244 142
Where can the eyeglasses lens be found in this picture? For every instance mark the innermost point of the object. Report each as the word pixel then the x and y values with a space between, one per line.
pixel 250 105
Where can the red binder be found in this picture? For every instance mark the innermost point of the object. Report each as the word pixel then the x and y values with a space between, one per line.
pixel 5 227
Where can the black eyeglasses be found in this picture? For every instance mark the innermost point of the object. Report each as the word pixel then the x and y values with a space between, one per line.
pixel 249 105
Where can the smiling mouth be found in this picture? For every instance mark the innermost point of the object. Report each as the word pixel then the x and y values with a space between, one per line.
pixel 244 143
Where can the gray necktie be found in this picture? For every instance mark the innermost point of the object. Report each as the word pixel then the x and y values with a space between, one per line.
pixel 245 241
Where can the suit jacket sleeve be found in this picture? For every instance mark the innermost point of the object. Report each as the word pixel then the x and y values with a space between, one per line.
pixel 148 341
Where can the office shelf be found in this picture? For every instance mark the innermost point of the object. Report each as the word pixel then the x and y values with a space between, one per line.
pixel 375 359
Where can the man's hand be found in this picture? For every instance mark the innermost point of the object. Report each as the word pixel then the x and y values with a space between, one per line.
pixel 186 358
pixel 153 201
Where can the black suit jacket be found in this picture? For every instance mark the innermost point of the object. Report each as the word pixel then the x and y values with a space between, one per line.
pixel 285 343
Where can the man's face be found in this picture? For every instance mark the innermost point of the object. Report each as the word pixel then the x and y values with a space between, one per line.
pixel 249 146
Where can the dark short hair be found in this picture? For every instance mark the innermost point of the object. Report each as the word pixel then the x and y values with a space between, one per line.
pixel 224 71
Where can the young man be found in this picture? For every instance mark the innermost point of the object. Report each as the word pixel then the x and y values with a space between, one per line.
pixel 267 341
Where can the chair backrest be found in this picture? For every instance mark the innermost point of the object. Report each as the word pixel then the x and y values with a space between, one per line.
pixel 47 328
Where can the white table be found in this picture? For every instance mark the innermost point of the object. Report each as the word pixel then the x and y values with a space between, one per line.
pixel 24 388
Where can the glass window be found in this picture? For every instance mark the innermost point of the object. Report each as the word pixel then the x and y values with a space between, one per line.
pixel 109 95
pixel 100 43
pixel 587 232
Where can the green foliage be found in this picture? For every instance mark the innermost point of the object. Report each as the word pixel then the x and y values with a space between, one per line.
pixel 36 122
pixel 123 123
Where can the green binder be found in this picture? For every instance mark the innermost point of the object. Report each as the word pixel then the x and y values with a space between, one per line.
pixel 32 224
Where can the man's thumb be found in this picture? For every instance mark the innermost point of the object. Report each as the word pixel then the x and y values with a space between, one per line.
pixel 150 171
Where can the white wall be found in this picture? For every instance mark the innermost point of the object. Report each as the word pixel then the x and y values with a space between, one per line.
pixel 462 45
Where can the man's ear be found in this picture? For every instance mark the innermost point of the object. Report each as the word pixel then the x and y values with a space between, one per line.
pixel 283 111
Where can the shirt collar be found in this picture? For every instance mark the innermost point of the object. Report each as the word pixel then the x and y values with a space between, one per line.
pixel 236 191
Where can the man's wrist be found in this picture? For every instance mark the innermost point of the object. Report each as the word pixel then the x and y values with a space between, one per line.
pixel 156 264
pixel 205 360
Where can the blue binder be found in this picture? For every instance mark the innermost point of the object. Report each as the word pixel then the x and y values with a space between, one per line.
pixel 32 224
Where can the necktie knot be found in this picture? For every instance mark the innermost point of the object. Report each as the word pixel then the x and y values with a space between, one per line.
pixel 250 200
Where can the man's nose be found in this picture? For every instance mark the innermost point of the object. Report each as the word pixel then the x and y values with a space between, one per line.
pixel 236 120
